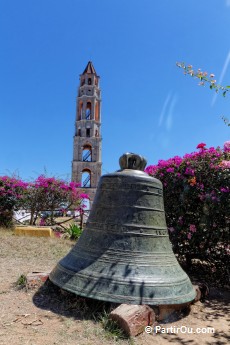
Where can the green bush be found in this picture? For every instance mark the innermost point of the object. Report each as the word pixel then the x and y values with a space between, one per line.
pixel 197 202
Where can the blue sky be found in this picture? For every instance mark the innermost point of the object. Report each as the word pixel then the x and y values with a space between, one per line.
pixel 148 105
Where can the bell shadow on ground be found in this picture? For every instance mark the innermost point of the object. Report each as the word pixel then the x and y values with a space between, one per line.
pixel 51 297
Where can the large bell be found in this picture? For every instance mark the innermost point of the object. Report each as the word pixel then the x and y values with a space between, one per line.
pixel 124 254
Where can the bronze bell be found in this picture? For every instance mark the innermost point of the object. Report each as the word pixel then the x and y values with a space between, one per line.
pixel 124 254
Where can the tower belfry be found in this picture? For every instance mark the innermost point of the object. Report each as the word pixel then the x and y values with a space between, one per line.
pixel 86 165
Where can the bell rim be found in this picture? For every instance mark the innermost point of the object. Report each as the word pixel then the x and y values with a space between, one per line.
pixel 188 298
pixel 56 274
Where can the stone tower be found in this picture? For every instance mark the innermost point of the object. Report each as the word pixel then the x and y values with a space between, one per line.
pixel 86 165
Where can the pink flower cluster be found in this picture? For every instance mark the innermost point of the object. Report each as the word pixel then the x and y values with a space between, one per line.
pixel 11 186
pixel 172 165
pixel 198 184
pixel 201 146
pixel 49 184
pixel 46 190
pixel 227 146
pixel 225 164
pixel 192 229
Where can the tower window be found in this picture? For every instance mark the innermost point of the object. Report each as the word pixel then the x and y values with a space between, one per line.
pixel 88 111
pixel 87 153
pixel 79 132
pixel 86 178
pixel 89 81
pixel 87 114
pixel 88 132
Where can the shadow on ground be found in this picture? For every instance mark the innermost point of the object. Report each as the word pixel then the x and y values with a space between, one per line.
pixel 51 297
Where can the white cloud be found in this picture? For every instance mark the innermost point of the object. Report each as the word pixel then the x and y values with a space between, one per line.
pixel 169 120
pixel 223 72
pixel 166 116
pixel 162 115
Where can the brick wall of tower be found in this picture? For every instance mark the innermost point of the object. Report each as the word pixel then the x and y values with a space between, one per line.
pixel 88 130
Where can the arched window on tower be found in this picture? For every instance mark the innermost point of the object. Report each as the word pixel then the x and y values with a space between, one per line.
pixel 80 111
pixel 89 81
pixel 87 153
pixel 88 111
pixel 86 178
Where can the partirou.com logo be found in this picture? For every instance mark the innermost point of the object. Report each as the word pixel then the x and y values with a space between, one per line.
pixel 180 329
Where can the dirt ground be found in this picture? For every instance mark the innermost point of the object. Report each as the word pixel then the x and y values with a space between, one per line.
pixel 48 316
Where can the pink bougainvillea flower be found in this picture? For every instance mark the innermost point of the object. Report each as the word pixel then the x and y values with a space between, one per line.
pixel 227 146
pixel 189 171
pixel 192 227
pixel 189 236
pixel 170 170
pixel 224 190
pixel 201 146
pixel 42 222
pixel 225 164
pixel 84 196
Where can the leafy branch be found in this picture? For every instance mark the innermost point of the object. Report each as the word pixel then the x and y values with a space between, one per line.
pixel 206 78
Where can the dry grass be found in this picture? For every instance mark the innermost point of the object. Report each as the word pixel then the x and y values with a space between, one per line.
pixel 50 316
pixel 48 248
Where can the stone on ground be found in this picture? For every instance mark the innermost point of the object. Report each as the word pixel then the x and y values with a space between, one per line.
pixel 133 319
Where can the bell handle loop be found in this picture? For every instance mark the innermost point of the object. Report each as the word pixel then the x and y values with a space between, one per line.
pixel 132 161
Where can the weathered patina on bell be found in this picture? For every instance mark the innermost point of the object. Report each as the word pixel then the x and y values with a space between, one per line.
pixel 124 254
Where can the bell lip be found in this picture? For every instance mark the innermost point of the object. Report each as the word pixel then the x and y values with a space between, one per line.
pixel 189 298
pixel 107 297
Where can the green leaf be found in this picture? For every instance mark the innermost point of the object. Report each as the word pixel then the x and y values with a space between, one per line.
pixel 227 87
pixel 224 93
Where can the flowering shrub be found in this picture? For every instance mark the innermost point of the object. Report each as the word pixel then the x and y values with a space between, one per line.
pixel 49 193
pixel 45 193
pixel 197 201
pixel 11 195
